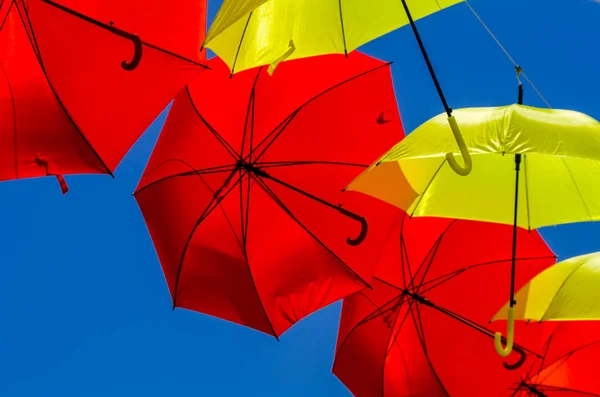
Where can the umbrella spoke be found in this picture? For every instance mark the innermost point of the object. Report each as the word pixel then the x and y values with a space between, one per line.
pixel 279 164
pixel 236 156
pixel 218 196
pixel 193 172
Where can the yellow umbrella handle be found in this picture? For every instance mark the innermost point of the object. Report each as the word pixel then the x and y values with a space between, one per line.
pixel 466 170
pixel 510 338
pixel 282 58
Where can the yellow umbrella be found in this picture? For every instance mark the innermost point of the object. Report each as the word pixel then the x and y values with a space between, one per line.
pixel 252 33
pixel 567 291
pixel 557 150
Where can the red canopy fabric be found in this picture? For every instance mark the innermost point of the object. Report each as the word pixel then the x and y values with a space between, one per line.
pixel 68 102
pixel 423 330
pixel 570 365
pixel 242 190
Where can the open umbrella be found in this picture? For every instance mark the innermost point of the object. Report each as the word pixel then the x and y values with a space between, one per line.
pixel 420 331
pixel 569 367
pixel 251 33
pixel 565 292
pixel 243 192
pixel 80 81
pixel 557 150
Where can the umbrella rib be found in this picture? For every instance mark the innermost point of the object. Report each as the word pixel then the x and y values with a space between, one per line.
pixel 216 134
pixel 278 164
pixel 250 116
pixel 33 42
pixel 343 30
pixel 12 3
pixel 565 389
pixel 421 333
pixel 295 112
pixel 577 188
pixel 204 171
pixel 214 203
pixel 295 219
pixel 14 115
pixel 427 187
pixel 571 352
pixel 527 193
pixel 107 27
pixel 240 45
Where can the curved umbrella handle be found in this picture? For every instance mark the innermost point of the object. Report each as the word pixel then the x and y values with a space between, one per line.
pixel 510 337
pixel 282 58
pixel 137 45
pixel 466 170
pixel 520 362
pixel 364 227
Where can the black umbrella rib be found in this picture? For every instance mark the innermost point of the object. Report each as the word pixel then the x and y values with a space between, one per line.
pixel 293 114
pixel 212 205
pixel 122 33
pixel 339 208
pixel 427 187
pixel 279 164
pixel 7 12
pixel 565 389
pixel 236 156
pixel 237 54
pixel 276 198
pixel 14 116
pixel 418 322
pixel 193 172
pixel 33 42
pixel 342 26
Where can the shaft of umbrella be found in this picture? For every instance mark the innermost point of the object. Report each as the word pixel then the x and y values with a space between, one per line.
pixel 514 242
pixel 426 58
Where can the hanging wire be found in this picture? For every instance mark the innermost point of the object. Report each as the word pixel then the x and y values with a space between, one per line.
pixel 511 59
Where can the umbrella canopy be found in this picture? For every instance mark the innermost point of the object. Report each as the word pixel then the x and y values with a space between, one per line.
pixel 566 292
pixel 420 331
pixel 242 193
pixel 560 160
pixel 569 367
pixel 80 81
pixel 251 33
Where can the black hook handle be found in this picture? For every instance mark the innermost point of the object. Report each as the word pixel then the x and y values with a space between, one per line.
pixel 520 362
pixel 364 227
pixel 137 48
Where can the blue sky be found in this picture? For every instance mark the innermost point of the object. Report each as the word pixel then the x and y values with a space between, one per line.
pixel 84 307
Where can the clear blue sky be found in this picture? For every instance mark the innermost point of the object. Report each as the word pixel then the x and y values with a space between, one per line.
pixel 85 311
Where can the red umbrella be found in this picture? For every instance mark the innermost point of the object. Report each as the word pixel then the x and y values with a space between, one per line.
pixel 422 330
pixel 570 365
pixel 80 80
pixel 242 192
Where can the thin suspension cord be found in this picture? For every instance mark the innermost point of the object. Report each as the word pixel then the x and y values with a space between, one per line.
pixel 510 58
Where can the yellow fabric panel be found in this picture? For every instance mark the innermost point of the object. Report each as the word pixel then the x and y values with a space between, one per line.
pixel 315 26
pixel 557 182
pixel 566 291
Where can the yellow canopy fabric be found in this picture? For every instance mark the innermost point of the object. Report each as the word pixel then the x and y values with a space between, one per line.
pixel 567 291
pixel 251 33
pixel 559 177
